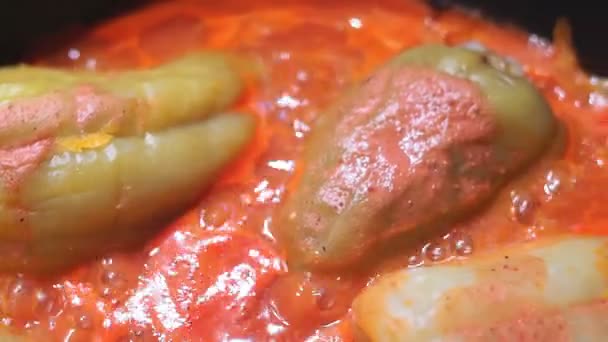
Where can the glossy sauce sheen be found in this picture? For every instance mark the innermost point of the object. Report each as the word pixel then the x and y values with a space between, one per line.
pixel 217 273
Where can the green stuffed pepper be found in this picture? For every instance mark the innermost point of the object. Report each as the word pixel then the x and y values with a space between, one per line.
pixel 426 140
pixel 90 162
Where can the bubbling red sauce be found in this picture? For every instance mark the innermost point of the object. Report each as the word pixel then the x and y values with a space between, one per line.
pixel 218 273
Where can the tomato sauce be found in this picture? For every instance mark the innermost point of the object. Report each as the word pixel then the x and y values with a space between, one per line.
pixel 218 273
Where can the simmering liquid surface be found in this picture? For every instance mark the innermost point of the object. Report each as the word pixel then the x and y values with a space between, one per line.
pixel 218 273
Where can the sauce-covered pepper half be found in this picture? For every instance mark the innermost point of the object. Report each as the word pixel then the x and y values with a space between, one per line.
pixel 94 161
pixel 426 140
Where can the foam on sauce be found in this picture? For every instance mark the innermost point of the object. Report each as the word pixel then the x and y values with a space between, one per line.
pixel 217 272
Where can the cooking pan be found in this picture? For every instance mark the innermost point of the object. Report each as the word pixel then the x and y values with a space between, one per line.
pixel 27 22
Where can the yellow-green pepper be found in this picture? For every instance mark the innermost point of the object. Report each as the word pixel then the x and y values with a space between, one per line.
pixel 111 156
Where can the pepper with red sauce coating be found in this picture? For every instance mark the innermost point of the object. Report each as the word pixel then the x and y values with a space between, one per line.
pixel 547 290
pixel 95 161
pixel 428 139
